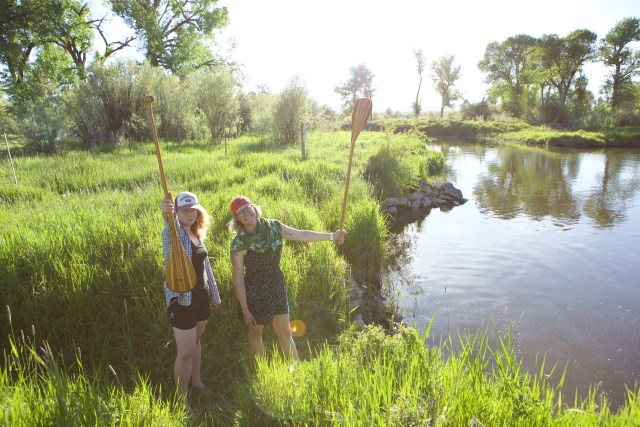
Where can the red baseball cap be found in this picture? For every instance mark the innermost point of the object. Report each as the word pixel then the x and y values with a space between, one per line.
pixel 239 202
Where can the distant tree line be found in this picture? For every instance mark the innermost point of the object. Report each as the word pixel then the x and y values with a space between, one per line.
pixel 542 80
pixel 55 82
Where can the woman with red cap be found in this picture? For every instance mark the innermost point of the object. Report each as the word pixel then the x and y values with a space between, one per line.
pixel 189 311
pixel 259 281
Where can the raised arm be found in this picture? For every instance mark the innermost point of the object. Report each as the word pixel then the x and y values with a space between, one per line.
pixel 290 233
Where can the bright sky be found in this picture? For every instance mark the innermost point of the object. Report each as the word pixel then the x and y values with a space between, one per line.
pixel 320 40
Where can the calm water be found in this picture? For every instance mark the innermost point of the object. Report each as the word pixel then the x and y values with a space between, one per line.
pixel 548 244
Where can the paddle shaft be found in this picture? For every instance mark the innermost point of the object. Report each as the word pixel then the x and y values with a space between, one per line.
pixel 179 272
pixel 148 100
pixel 346 185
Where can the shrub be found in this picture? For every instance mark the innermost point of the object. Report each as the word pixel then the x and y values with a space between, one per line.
pixel 435 163
pixel 291 111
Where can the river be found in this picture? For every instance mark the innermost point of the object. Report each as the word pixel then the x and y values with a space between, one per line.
pixel 548 245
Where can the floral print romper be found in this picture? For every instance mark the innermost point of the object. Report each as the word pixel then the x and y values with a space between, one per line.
pixel 263 277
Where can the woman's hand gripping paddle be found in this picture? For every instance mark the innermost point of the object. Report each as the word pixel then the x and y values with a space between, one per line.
pixel 360 115
pixel 179 273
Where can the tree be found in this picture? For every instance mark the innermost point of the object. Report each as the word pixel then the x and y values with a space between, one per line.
pixel 245 116
pixel 580 103
pixel 82 107
pixel 562 58
pixel 26 26
pixel 359 85
pixel 322 117
pixel 444 76
pixel 174 32
pixel 561 62
pixel 263 106
pixel 615 51
pixel 38 65
pixel 417 108
pixel 7 123
pixel 216 99
pixel 510 68
pixel 478 111
pixel 19 37
pixel 292 110
pixel 68 24
pixel 37 104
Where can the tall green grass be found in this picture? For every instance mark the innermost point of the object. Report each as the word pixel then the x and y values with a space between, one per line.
pixel 373 378
pixel 37 391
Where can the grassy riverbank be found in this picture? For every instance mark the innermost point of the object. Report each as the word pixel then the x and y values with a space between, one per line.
pixel 619 137
pixel 519 132
pixel 86 340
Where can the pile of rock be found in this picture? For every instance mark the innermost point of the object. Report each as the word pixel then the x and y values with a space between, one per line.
pixel 424 199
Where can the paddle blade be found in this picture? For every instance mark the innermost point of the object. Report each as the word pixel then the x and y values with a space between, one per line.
pixel 179 272
pixel 360 115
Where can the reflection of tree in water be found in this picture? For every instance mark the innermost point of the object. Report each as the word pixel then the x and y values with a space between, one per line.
pixel 539 184
pixel 620 181
pixel 529 182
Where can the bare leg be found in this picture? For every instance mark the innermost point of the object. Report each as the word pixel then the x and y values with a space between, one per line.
pixel 255 340
pixel 186 343
pixel 196 379
pixel 282 326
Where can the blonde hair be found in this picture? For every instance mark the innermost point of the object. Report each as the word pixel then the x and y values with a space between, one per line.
pixel 235 226
pixel 201 224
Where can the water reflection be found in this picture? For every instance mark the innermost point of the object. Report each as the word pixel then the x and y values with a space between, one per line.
pixel 540 183
pixel 531 183
pixel 546 245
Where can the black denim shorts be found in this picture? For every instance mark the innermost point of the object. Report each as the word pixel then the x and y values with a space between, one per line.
pixel 185 317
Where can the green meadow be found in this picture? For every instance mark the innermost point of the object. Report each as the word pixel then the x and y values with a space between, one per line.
pixel 86 341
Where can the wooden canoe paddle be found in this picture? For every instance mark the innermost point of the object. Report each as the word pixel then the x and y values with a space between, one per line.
pixel 360 115
pixel 179 273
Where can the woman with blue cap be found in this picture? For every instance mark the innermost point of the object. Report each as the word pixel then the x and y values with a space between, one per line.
pixel 189 311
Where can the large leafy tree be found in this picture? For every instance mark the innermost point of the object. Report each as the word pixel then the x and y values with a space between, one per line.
pixel 444 76
pixel 44 46
pixel 19 37
pixel 174 33
pixel 616 52
pixel 359 85
pixel 68 25
pixel 27 26
pixel 511 67
pixel 562 59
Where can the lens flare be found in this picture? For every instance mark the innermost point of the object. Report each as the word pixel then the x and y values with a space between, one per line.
pixel 298 328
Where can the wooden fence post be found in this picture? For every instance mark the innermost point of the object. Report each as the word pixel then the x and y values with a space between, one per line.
pixel 15 179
